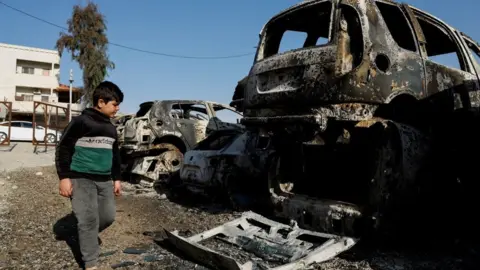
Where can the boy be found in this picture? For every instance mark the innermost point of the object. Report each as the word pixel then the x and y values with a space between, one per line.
pixel 87 160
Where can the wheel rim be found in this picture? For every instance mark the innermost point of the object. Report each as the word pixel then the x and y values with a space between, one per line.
pixel 173 160
pixel 3 137
pixel 50 138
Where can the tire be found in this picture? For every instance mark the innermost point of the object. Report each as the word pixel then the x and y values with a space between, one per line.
pixel 3 137
pixel 169 183
pixel 50 138
pixel 173 156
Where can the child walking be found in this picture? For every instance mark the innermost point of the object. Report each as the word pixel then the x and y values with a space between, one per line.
pixel 88 164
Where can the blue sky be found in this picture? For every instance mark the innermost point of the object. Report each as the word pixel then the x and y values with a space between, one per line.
pixel 198 28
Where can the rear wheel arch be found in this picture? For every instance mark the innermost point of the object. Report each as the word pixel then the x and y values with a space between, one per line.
pixel 402 106
pixel 173 140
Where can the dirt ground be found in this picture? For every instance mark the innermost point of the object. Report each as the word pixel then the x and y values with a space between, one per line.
pixel 30 206
pixel 25 155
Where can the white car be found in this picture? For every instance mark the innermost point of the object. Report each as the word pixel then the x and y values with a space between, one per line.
pixel 23 131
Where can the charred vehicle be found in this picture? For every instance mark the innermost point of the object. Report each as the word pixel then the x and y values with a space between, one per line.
pixel 155 139
pixel 358 127
pixel 355 113
pixel 347 131
pixel 119 123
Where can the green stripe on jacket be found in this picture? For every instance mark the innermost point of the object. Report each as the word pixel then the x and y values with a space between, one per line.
pixel 93 155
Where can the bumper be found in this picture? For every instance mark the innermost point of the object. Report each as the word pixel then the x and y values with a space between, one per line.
pixel 317 116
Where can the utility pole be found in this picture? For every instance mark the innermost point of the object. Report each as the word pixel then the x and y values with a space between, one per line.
pixel 70 97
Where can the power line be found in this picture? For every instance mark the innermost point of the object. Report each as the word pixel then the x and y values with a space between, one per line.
pixel 128 47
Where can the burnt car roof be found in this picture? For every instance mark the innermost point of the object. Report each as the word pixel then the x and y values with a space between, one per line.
pixel 312 2
pixel 188 101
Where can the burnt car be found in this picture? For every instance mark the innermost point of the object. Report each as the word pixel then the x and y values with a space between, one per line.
pixel 358 129
pixel 119 123
pixel 155 139
pixel 206 169
pixel 347 130
pixel 356 112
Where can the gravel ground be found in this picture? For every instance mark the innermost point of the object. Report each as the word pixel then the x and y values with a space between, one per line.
pixel 30 206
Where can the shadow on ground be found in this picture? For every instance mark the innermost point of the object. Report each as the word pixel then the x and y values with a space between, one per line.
pixel 42 149
pixel 7 148
pixel 65 229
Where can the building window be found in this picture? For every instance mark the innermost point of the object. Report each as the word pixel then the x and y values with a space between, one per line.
pixel 45 98
pixel 27 97
pixel 27 70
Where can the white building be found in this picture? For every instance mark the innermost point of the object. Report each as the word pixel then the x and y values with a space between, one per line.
pixel 31 74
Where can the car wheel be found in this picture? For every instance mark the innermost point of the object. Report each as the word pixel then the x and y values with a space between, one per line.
pixel 51 138
pixel 3 137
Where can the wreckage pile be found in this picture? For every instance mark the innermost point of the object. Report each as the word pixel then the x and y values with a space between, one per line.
pixel 345 135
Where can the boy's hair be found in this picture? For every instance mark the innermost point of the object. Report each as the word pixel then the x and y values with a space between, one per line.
pixel 107 91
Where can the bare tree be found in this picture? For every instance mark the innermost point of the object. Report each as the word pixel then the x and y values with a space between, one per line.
pixel 87 41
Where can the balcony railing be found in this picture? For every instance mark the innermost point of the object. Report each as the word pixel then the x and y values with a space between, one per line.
pixel 25 106
pixel 36 81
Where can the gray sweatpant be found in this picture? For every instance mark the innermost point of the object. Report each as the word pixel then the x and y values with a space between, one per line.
pixel 93 204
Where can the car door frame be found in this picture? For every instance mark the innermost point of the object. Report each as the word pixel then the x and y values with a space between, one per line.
pixel 462 96
pixel 471 58
pixel 215 122
pixel 184 125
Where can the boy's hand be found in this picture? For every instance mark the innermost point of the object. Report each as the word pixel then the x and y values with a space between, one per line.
pixel 65 187
pixel 117 187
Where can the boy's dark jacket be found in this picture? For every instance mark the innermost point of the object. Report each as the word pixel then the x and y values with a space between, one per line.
pixel 89 148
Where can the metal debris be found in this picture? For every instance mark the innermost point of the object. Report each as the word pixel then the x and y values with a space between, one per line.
pixel 132 250
pixel 153 258
pixel 288 246
pixel 123 264
pixel 107 253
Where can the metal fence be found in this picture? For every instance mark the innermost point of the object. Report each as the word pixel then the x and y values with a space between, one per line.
pixel 6 119
pixel 48 122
